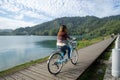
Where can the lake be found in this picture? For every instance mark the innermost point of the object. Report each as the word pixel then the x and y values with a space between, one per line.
pixel 15 50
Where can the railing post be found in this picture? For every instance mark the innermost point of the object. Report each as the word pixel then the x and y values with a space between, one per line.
pixel 116 58
pixel 117 42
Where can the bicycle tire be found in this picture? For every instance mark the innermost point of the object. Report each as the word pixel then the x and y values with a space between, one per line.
pixel 52 68
pixel 74 57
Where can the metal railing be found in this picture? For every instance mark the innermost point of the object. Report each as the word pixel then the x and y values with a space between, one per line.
pixel 116 58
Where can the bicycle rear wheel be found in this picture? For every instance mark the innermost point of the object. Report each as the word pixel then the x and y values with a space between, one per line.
pixel 74 57
pixel 55 63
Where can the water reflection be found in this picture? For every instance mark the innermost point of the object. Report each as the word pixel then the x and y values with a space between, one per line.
pixel 47 43
pixel 16 50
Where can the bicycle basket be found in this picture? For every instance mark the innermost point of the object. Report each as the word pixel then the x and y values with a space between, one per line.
pixel 74 44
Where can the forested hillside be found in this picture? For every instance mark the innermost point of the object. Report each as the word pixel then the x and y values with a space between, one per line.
pixel 89 26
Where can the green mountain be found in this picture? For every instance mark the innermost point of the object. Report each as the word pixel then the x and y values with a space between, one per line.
pixel 88 26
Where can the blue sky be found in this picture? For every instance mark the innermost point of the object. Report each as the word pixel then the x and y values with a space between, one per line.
pixel 23 13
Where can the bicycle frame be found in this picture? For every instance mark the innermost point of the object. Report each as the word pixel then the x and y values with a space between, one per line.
pixel 71 49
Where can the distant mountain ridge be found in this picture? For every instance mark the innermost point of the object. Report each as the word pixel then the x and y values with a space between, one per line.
pixel 51 27
pixel 89 26
pixel 6 31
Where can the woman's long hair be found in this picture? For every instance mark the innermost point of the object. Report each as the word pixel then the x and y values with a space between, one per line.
pixel 63 28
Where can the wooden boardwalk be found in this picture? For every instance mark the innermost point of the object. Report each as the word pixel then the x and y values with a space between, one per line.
pixel 69 72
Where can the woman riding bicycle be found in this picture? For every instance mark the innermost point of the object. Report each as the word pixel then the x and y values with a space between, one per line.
pixel 62 37
pixel 56 59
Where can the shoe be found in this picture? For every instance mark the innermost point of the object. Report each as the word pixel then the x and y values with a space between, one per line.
pixel 66 60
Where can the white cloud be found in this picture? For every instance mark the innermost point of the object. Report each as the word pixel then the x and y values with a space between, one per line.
pixel 6 23
pixel 58 8
pixel 46 10
pixel 10 7
pixel 19 17
pixel 35 15
pixel 2 12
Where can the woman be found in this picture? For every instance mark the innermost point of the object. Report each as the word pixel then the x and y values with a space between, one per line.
pixel 62 37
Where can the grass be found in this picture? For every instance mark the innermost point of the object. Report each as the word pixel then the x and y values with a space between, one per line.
pixel 22 66
pixel 84 43
pixel 97 70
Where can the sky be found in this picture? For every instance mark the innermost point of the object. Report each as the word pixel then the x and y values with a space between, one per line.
pixel 24 13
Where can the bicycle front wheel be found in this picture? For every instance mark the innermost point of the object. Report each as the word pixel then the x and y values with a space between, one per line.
pixel 55 63
pixel 74 57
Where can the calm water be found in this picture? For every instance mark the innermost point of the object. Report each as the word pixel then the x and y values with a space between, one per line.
pixel 15 50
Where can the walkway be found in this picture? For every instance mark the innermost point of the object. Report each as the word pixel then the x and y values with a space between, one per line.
pixel 69 72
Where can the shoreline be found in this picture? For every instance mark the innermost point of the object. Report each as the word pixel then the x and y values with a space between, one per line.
pixel 22 66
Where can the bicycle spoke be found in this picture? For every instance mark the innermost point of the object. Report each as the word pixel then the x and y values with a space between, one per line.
pixel 74 57
pixel 55 65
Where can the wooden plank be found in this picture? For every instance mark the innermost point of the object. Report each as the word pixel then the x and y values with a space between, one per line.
pixel 14 76
pixel 8 78
pixel 1 78
pixel 63 75
pixel 32 75
pixel 42 68
pixel 24 77
pixel 43 72
pixel 42 65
